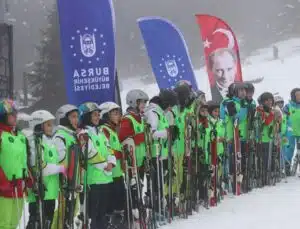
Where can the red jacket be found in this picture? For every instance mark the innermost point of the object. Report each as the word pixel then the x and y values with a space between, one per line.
pixel 117 153
pixel 126 129
pixel 267 118
pixel 16 188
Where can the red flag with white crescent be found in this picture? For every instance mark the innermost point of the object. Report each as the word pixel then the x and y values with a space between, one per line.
pixel 221 54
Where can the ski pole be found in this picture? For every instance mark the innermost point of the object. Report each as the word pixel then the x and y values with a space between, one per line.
pixel 158 182
pixel 163 184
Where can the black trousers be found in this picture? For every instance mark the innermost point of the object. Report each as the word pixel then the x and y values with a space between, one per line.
pixel 117 195
pixel 99 201
pixel 49 207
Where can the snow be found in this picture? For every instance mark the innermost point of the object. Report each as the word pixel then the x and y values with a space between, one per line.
pixel 269 207
pixel 279 75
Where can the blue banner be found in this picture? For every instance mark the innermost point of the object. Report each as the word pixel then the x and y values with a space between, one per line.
pixel 87 34
pixel 167 51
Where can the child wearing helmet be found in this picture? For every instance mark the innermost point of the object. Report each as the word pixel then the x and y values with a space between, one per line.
pixel 23 121
pixel 155 117
pixel 44 156
pixel 67 117
pixel 185 109
pixel 111 116
pixel 131 135
pixel 216 133
pixel 292 112
pixel 265 120
pixel 203 152
pixel 233 109
pixel 251 104
pixel 13 166
pixel 100 163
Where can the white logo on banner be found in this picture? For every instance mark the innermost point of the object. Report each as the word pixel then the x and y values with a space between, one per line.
pixel 171 67
pixel 89 47
pixel 88 44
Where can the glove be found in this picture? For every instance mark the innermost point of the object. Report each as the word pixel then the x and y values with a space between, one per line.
pixel 63 170
pixel 174 130
pixel 83 138
pixel 231 108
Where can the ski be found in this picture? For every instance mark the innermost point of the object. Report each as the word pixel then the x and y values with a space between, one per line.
pixel 214 164
pixel 237 176
pixel 150 173
pixel 71 187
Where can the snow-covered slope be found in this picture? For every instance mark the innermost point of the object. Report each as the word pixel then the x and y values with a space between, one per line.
pixel 279 75
pixel 268 208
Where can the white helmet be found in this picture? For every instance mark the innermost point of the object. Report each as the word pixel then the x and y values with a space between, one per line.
pixel 21 116
pixel 40 116
pixel 107 107
pixel 135 95
pixel 278 98
pixel 63 111
pixel 23 120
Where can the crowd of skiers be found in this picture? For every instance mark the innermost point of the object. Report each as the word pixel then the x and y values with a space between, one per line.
pixel 97 168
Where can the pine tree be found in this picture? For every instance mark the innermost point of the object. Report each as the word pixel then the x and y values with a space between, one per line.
pixel 48 82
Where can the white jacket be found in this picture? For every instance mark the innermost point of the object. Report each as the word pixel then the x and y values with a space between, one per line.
pixel 60 144
pixel 152 118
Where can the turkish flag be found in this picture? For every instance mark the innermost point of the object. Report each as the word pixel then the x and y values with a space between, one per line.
pixel 221 54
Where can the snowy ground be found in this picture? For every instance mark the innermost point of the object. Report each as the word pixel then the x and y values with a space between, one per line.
pixel 270 207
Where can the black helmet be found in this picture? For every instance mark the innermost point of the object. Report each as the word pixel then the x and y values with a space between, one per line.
pixel 212 106
pixel 236 87
pixel 265 96
pixel 293 94
pixel 168 98
pixel 249 87
pixel 231 90
pixel 183 93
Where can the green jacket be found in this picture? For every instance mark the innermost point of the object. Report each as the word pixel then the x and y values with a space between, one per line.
pixel 203 143
pixel 116 146
pixel 99 155
pixel 241 115
pixel 140 150
pixel 180 122
pixel 218 126
pixel 49 156
pixel 13 155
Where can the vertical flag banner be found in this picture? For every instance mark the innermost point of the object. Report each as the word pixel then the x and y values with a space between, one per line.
pixel 167 52
pixel 87 34
pixel 221 53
